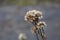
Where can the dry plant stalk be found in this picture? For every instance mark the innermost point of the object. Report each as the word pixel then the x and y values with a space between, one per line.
pixel 33 16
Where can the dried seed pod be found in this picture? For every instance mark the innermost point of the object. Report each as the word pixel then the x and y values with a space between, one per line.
pixel 41 24
pixel 39 14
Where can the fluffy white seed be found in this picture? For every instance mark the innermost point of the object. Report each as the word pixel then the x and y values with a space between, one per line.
pixel 22 36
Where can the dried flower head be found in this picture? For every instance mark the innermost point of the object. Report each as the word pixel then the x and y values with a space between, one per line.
pixel 22 36
pixel 29 18
pixel 41 24
pixel 38 14
pixel 32 15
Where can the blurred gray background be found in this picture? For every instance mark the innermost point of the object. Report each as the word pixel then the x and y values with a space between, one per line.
pixel 12 19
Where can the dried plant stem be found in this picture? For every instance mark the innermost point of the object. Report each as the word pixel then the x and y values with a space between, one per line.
pixel 39 31
pixel 42 35
pixel 43 38
pixel 33 17
pixel 36 32
pixel 37 35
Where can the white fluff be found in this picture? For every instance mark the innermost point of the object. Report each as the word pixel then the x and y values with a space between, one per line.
pixel 22 37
